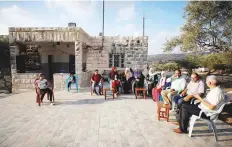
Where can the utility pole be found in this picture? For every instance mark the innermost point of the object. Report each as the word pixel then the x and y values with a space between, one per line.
pixel 143 26
pixel 103 21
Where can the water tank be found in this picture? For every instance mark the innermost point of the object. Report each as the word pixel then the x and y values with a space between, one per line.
pixel 72 25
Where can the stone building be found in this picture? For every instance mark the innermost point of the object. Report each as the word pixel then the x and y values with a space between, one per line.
pixel 58 51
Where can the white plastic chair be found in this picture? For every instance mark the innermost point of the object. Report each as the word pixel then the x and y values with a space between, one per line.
pixel 211 122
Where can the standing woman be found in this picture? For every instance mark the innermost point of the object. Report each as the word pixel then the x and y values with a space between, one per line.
pixel 157 90
pixel 152 79
pixel 127 83
pixel 114 79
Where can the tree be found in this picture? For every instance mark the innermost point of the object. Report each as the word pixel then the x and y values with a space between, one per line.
pixel 5 64
pixel 4 52
pixel 208 27
pixel 190 62
pixel 157 66
pixel 211 60
pixel 170 66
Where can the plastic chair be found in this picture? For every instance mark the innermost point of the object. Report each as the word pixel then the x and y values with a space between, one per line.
pixel 145 86
pixel 76 83
pixel 211 122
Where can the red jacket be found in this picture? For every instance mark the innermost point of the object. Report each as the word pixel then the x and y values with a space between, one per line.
pixel 96 78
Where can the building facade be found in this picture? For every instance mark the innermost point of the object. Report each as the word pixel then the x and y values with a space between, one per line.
pixel 59 51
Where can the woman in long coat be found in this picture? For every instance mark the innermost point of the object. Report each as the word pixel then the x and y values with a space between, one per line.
pixel 127 83
pixel 157 90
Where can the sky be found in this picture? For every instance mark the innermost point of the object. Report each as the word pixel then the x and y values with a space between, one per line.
pixel 163 19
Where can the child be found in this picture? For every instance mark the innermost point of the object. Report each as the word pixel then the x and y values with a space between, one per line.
pixel 72 79
pixel 43 87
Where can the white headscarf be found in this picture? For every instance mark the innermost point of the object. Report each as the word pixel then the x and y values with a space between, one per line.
pixel 151 72
pixel 128 73
pixel 163 74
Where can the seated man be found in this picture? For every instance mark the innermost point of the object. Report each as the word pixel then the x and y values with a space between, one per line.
pixel 213 101
pixel 195 86
pixel 71 79
pixel 177 86
pixel 96 81
pixel 42 85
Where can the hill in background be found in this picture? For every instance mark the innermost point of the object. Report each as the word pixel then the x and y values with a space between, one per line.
pixel 163 58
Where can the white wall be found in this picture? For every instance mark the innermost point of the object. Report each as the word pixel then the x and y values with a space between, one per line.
pixel 60 52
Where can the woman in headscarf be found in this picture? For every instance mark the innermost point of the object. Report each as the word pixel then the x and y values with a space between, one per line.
pixel 127 83
pixel 152 79
pixel 157 90
pixel 139 79
pixel 114 79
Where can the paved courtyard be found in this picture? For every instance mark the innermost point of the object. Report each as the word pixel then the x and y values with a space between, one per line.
pixel 82 120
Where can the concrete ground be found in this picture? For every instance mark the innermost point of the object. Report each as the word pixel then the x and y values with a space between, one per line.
pixel 82 120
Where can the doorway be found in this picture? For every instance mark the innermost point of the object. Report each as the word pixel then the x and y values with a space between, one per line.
pixel 50 70
pixel 71 64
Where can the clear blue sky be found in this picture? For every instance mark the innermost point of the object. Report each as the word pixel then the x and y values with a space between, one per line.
pixel 164 18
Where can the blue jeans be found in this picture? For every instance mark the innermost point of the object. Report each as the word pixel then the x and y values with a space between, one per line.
pixel 178 99
pixel 95 84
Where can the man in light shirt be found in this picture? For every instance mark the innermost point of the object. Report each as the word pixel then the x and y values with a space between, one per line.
pixel 195 86
pixel 213 101
pixel 177 86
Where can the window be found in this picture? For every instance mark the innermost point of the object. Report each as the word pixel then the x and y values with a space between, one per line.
pixel 116 60
pixel 28 60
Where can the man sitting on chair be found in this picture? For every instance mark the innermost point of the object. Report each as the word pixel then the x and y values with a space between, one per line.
pixel 42 85
pixel 213 101
pixel 195 86
pixel 177 86
pixel 71 79
pixel 96 81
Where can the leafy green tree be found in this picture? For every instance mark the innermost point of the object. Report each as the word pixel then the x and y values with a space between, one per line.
pixel 4 52
pixel 208 27
pixel 157 66
pixel 189 63
pixel 211 60
pixel 171 66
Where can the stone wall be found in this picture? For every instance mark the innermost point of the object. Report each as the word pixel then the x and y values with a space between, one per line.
pixel 84 79
pixel 134 48
pixel 24 81
pixel 60 80
pixel 5 80
pixel 42 34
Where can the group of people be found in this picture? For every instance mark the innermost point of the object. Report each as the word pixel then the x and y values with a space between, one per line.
pixel 125 80
pixel 189 97
pixel 179 91
pixel 213 100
